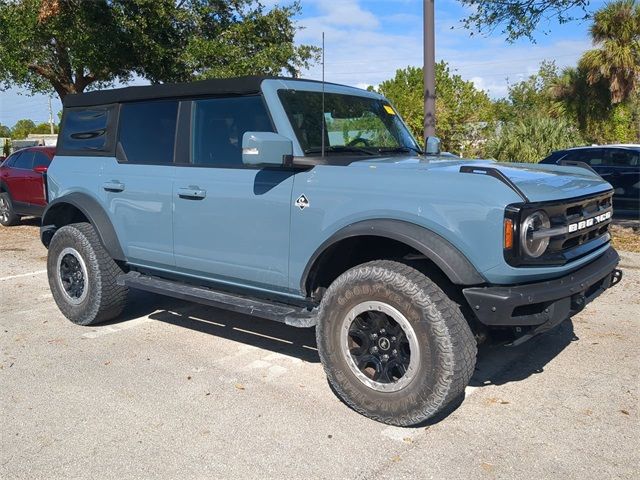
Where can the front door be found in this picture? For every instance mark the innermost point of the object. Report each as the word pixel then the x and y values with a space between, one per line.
pixel 231 222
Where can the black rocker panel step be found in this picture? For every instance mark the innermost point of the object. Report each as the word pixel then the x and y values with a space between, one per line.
pixel 279 312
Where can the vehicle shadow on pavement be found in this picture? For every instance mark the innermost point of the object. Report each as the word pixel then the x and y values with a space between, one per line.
pixel 500 364
pixel 276 337
pixel 497 364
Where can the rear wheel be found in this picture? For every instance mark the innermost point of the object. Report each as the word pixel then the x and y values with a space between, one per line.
pixel 394 347
pixel 8 216
pixel 82 276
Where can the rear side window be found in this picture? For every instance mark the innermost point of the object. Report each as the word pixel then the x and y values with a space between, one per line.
pixel 146 132
pixel 86 130
pixel 24 161
pixel 622 158
pixel 41 160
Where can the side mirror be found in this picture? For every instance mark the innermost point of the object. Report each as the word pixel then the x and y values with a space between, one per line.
pixel 265 148
pixel 433 146
pixel 40 169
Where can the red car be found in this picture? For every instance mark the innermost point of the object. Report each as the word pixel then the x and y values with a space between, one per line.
pixel 22 184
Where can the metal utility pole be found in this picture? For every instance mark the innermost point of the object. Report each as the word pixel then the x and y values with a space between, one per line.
pixel 50 117
pixel 429 70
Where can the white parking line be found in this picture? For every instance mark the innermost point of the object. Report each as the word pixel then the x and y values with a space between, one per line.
pixel 107 329
pixel 11 277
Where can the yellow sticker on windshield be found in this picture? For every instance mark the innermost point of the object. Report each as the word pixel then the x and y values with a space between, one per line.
pixel 389 110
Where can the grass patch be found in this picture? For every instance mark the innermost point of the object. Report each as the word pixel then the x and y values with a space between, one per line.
pixel 625 238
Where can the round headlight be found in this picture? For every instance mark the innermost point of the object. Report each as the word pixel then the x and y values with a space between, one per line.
pixel 534 247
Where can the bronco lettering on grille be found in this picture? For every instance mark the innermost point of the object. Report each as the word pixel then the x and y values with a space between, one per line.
pixel 589 222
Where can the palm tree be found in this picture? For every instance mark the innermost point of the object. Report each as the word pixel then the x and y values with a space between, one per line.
pixel 616 33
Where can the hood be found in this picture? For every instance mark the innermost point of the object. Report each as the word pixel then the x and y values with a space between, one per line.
pixel 538 182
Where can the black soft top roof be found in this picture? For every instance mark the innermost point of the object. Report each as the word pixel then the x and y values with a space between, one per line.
pixel 217 86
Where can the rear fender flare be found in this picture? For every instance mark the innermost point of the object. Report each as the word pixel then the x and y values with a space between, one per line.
pixel 95 214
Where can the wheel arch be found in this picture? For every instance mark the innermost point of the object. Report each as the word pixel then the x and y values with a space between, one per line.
pixel 80 207
pixel 393 234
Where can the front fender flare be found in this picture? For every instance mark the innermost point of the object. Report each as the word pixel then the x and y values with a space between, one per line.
pixel 95 214
pixel 447 257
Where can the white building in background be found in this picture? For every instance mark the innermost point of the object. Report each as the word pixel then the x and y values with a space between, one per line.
pixel 44 139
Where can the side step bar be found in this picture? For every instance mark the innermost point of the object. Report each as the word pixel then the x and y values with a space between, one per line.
pixel 279 312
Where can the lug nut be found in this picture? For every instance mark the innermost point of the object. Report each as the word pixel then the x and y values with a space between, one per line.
pixel 382 331
pixel 393 339
pixel 394 352
pixel 385 357
pixel 374 336
pixel 374 349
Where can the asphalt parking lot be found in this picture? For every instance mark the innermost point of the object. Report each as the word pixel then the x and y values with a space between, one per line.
pixel 177 390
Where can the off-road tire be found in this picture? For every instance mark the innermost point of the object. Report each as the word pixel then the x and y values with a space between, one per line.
pixel 8 216
pixel 104 299
pixel 447 346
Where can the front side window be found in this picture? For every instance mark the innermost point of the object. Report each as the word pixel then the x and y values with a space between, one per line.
pixel 351 123
pixel 146 132
pixel 218 125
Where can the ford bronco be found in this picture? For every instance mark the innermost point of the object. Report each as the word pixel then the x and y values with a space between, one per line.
pixel 311 204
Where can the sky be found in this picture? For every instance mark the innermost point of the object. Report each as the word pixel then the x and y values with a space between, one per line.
pixel 366 41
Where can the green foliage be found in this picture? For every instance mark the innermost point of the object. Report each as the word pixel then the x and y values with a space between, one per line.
pixel 70 45
pixel 532 138
pixel 6 148
pixel 22 128
pixel 44 128
pixel 616 32
pixel 5 132
pixel 459 105
pixel 519 18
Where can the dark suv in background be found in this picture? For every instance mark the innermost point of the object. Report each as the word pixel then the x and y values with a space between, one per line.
pixel 617 164
pixel 22 185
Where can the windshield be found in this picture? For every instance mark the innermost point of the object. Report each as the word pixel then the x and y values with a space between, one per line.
pixel 353 124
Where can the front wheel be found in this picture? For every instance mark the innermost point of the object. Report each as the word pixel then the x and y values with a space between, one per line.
pixel 82 276
pixel 394 347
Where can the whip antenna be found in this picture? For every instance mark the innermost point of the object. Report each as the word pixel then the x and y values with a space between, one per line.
pixel 322 147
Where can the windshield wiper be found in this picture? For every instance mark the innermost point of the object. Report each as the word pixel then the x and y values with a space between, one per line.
pixel 401 149
pixel 342 148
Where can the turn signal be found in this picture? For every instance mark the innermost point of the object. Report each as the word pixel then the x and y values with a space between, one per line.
pixel 508 233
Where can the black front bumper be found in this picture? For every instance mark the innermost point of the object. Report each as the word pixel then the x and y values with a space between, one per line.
pixel 551 301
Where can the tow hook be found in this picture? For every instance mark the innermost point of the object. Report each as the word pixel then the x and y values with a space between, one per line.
pixel 578 301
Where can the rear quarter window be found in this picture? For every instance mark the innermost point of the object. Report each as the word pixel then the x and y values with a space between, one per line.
pixel 88 130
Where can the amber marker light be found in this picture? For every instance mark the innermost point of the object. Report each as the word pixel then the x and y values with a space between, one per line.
pixel 508 233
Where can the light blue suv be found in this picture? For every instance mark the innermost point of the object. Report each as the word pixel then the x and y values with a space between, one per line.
pixel 312 204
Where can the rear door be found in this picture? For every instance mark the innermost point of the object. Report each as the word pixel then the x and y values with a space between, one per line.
pixel 231 222
pixel 137 185
pixel 20 177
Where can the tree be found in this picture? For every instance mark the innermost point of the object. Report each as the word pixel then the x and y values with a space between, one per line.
pixel 520 18
pixel 22 128
pixel 461 109
pixel 44 127
pixel 532 138
pixel 5 132
pixel 534 95
pixel 616 32
pixel 73 45
pixel 6 148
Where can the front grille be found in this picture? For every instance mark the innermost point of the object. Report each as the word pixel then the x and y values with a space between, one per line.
pixel 574 212
pixel 578 227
